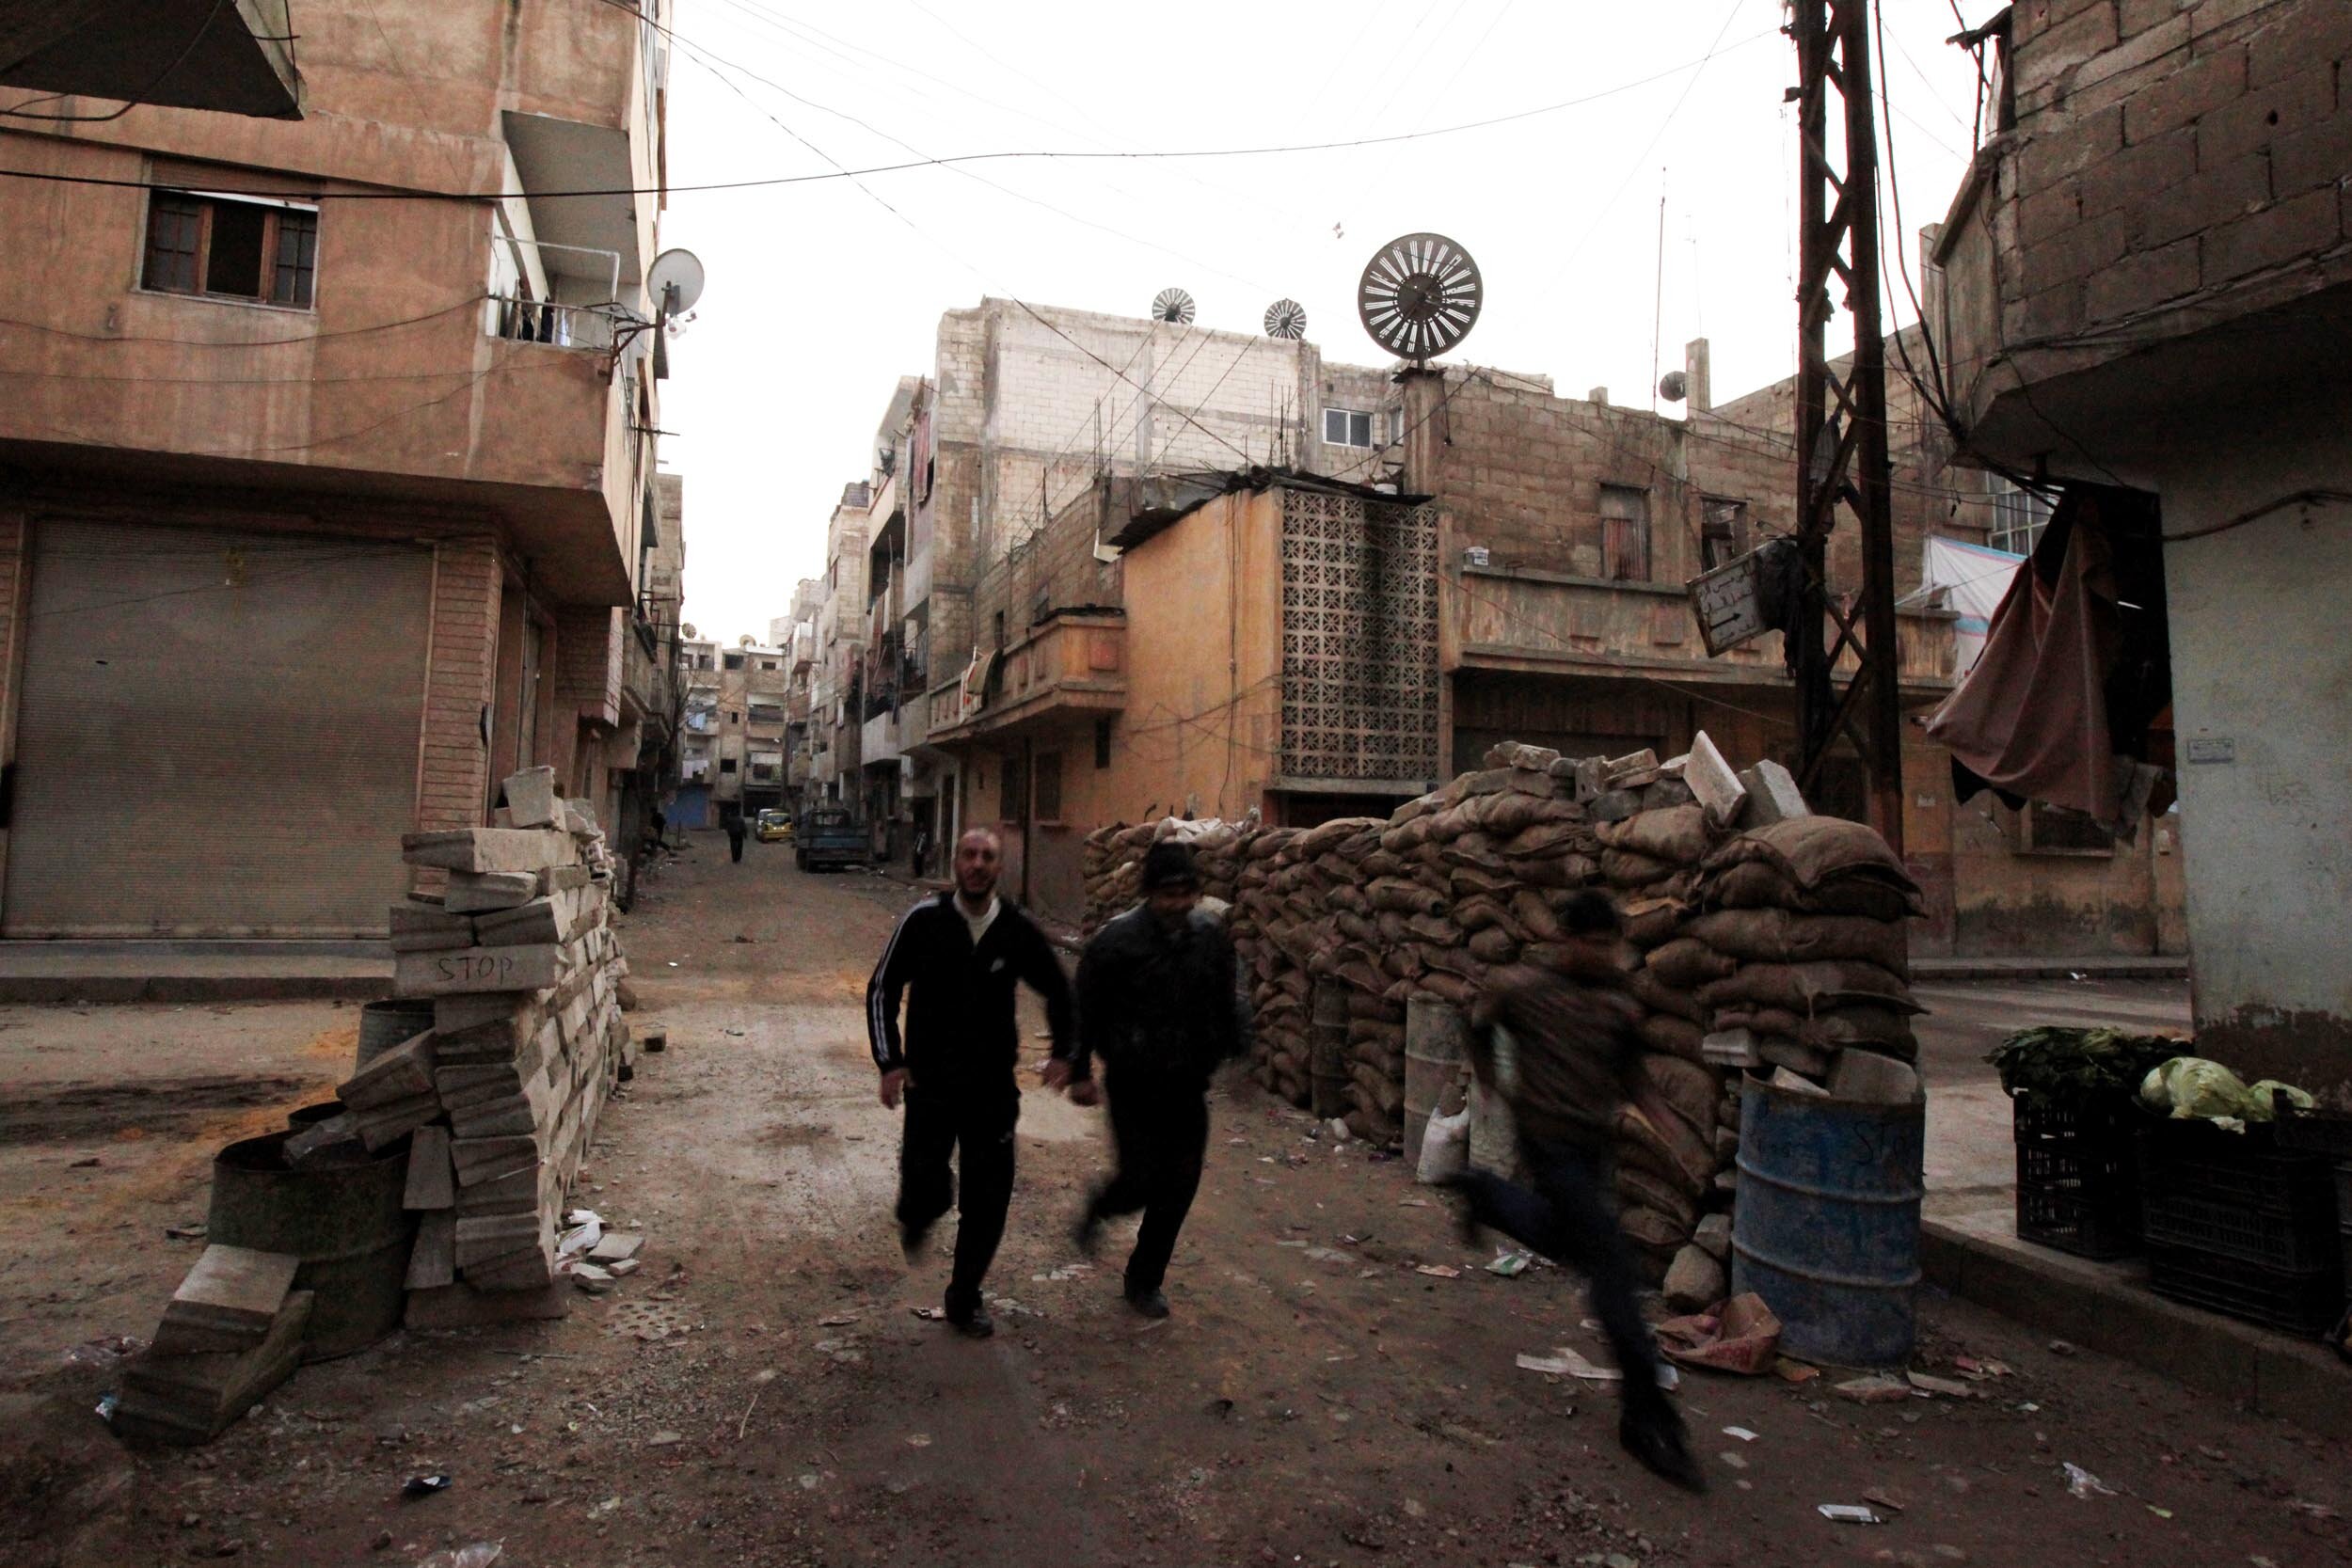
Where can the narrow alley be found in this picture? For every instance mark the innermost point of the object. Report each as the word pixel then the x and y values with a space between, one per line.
pixel 1337 1384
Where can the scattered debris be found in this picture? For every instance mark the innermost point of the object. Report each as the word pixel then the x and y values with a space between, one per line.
pixel 2061 1347
pixel 194 1233
pixel 1567 1361
pixel 1849 1513
pixel 2082 1483
pixel 1439 1271
pixel 1877 1388
pixel 665 1438
pixel 1512 1263
pixel 478 1554
pixel 1740 1433
pixel 424 1486
pixel 1740 1335
pixel 1928 1384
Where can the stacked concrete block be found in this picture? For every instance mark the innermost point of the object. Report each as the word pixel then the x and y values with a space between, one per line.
pixel 519 960
pixel 231 1333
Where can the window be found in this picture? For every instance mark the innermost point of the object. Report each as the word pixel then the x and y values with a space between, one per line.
pixel 735 661
pixel 1049 786
pixel 1102 743
pixel 1723 531
pixel 2044 829
pixel 1347 427
pixel 1011 784
pixel 1396 425
pixel 1000 628
pixel 1624 534
pixel 726 765
pixel 2018 518
pixel 261 251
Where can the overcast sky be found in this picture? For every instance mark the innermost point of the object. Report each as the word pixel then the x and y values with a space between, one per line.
pixel 821 295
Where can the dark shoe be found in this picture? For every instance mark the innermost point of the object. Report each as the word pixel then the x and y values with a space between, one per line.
pixel 1151 1303
pixel 974 1323
pixel 1655 1439
pixel 911 1239
pixel 1087 1232
pixel 1465 1228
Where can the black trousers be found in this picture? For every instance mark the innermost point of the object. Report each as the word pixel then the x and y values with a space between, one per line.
pixel 1567 1216
pixel 1160 1130
pixel 976 1127
pixel 735 844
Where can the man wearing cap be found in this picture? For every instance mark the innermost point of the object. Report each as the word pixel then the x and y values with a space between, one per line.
pixel 960 953
pixel 1157 1001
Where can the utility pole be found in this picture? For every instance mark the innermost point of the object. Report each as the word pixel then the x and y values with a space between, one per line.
pixel 1842 420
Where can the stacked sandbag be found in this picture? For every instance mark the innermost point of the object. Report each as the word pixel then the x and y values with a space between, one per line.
pixel 1808 914
pixel 1276 986
pixel 1111 860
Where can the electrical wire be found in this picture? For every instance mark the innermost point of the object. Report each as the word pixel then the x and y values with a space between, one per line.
pixel 841 172
pixel 20 111
pixel 467 303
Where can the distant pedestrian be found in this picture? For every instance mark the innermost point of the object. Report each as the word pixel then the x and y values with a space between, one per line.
pixel 734 836
pixel 1563 1049
pixel 1158 1001
pixel 960 953
pixel 922 852
pixel 660 827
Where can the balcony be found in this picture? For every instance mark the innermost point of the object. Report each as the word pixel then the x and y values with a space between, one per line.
pixel 1074 664
pixel 179 53
pixel 1550 623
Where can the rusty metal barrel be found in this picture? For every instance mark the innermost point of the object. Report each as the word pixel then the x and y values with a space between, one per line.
pixel 1328 1084
pixel 386 1024
pixel 342 1217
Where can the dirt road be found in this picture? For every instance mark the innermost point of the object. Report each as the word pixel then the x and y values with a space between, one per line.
pixel 762 1392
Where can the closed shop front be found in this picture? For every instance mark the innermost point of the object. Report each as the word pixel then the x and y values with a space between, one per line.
pixel 219 733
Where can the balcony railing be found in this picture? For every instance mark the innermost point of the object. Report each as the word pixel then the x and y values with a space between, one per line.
pixel 1544 620
pixel 544 321
pixel 1073 663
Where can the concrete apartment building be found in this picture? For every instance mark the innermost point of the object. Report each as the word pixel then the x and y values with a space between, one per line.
pixel 836 721
pixel 800 641
pixel 653 688
pixel 320 515
pixel 693 803
pixel 2146 276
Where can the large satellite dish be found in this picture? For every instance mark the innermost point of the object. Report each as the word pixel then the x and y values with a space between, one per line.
pixel 1286 318
pixel 675 281
pixel 1419 295
pixel 1172 306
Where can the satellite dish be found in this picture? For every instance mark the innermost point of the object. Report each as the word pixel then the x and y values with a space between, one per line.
pixel 675 281
pixel 1286 318
pixel 1673 385
pixel 687 631
pixel 1419 295
pixel 1172 306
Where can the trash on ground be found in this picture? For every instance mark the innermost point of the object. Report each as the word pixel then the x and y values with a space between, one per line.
pixel 424 1486
pixel 1740 1335
pixel 2159 1512
pixel 1948 1387
pixel 1510 1264
pixel 1439 1271
pixel 1565 1361
pixel 105 1351
pixel 1740 1433
pixel 1980 1369
pixel 1849 1513
pixel 106 1406
pixel 1877 1388
pixel 479 1554
pixel 187 1232
pixel 2082 1483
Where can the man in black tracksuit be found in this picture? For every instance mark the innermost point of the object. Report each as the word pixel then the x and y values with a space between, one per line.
pixel 1157 1001
pixel 960 953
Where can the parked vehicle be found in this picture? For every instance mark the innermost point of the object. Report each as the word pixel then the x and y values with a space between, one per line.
pixel 830 836
pixel 774 826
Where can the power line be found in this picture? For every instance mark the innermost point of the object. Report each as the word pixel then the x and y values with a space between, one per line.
pixel 20 111
pixel 840 172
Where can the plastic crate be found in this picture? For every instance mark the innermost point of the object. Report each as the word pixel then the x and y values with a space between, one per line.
pixel 2078 1176
pixel 2237 1195
pixel 2328 1133
pixel 2299 1300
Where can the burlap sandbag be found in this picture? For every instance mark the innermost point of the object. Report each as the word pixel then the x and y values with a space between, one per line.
pixel 1469 880
pixel 1549 838
pixel 1811 850
pixel 1452 823
pixel 1479 912
pixel 1381 863
pixel 1456 961
pixel 1686 1087
pixel 1446 988
pixel 1650 1230
pixel 1669 1145
pixel 1885 1030
pixel 1651 922
pixel 1476 852
pixel 1407 836
pixel 1780 936
pixel 1675 1037
pixel 1362 1010
pixel 1494 945
pixel 1678 835
pixel 1506 816
pixel 1626 868
pixel 1405 897
pixel 1757 884
pixel 1355 928
pixel 1336 832
pixel 1652 993
pixel 1381 1093
pixel 1643 1187
pixel 1687 964
pixel 1401 963
pixel 1436 932
pixel 1534 916
pixel 1810 989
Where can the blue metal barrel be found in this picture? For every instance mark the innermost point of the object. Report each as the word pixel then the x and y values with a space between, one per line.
pixel 1826 1229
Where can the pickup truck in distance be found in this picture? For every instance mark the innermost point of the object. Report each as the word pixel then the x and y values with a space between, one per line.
pixel 829 836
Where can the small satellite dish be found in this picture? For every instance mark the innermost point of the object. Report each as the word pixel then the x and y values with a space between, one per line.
pixel 675 281
pixel 1672 386
pixel 687 631
pixel 1172 306
pixel 1286 318
pixel 1419 295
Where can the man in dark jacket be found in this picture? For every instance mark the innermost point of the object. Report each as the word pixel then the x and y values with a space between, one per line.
pixel 736 827
pixel 1158 1002
pixel 960 953
pixel 1563 1050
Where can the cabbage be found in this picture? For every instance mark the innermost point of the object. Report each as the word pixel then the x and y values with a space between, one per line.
pixel 2191 1086
pixel 2266 1094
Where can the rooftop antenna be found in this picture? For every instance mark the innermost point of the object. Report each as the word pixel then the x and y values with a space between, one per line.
pixel 1419 295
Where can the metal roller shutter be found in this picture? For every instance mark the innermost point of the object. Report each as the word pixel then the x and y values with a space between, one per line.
pixel 217 735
